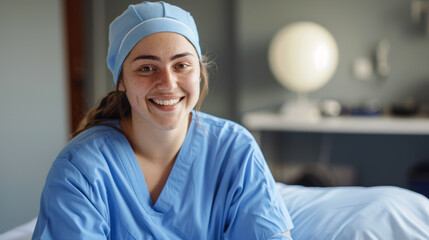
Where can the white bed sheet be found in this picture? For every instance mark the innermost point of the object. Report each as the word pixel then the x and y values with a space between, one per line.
pixel 22 232
pixel 356 212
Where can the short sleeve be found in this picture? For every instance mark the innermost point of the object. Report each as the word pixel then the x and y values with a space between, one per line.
pixel 69 207
pixel 256 210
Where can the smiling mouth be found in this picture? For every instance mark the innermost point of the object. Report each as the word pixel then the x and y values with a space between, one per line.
pixel 168 102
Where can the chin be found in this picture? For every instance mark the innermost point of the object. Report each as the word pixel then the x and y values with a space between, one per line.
pixel 171 123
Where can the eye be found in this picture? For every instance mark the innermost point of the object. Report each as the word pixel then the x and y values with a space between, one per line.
pixel 147 69
pixel 181 66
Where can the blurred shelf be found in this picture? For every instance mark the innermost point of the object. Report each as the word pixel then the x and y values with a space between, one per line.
pixel 270 121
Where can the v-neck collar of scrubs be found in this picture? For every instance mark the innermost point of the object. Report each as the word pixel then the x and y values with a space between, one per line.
pixel 175 182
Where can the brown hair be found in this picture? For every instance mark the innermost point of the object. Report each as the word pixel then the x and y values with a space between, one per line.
pixel 115 105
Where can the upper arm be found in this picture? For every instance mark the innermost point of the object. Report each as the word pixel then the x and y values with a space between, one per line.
pixel 70 208
pixel 256 209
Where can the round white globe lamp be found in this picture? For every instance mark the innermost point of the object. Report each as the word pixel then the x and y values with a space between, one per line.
pixel 303 56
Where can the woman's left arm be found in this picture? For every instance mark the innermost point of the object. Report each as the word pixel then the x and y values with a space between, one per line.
pixel 256 209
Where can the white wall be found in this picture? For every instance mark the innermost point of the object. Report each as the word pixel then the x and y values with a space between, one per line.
pixel 33 103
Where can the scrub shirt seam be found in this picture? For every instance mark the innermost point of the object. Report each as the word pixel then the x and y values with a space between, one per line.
pixel 259 165
pixel 91 188
pixel 122 139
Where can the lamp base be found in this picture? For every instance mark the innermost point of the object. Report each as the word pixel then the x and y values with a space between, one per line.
pixel 301 111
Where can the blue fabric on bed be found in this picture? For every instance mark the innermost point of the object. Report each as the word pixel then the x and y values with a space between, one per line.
pixel 356 212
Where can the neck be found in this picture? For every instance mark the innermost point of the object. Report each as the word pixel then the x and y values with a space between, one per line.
pixel 154 145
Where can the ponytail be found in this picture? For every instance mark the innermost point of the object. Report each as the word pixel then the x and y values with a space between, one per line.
pixel 114 106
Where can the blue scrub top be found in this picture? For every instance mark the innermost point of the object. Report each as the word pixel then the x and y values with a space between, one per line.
pixel 220 187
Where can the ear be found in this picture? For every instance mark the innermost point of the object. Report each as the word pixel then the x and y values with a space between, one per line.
pixel 121 86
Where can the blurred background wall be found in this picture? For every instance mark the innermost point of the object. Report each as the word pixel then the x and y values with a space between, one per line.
pixel 357 26
pixel 33 103
pixel 236 34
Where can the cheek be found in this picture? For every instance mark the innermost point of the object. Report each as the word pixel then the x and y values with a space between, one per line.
pixel 193 86
pixel 136 95
pixel 133 99
pixel 195 82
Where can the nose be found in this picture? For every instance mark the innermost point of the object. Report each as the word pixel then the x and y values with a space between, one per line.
pixel 167 80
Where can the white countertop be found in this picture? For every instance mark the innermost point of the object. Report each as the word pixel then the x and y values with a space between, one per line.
pixel 257 121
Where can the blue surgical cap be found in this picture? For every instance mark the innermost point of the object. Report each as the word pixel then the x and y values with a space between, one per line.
pixel 142 20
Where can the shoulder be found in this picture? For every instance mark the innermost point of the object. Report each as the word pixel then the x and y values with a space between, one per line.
pixel 93 148
pixel 222 128
pixel 92 137
pixel 227 140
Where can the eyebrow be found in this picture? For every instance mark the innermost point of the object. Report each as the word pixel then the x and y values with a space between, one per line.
pixel 150 57
pixel 155 58
pixel 181 55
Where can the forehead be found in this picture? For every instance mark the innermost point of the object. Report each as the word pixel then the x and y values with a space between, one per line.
pixel 163 43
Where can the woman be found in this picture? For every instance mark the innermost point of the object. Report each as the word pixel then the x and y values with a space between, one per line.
pixel 146 165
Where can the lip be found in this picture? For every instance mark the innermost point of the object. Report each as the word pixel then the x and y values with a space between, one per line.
pixel 165 97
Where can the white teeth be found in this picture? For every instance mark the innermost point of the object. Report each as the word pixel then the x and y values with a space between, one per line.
pixel 166 102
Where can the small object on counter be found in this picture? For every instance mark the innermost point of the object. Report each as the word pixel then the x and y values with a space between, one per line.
pixel 370 108
pixel 405 109
pixel 330 108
